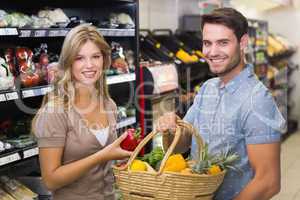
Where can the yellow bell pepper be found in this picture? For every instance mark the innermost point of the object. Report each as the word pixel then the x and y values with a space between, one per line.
pixel 138 165
pixel 175 163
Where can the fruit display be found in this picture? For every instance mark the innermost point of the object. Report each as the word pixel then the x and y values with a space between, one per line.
pixel 118 20
pixel 44 19
pixel 118 59
pixel 124 112
pixel 5 146
pixel 28 73
pixel 132 140
pixel 7 80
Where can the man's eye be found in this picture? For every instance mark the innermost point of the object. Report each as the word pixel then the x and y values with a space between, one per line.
pixel 223 43
pixel 206 44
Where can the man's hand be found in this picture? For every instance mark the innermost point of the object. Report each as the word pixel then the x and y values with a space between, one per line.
pixel 167 122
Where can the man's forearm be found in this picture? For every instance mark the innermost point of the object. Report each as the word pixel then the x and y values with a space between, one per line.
pixel 258 190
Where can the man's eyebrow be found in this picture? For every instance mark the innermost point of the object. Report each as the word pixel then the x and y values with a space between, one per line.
pixel 223 40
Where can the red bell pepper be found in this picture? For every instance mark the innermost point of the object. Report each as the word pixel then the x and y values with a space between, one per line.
pixel 132 140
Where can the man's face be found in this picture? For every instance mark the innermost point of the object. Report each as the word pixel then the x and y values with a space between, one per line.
pixel 221 48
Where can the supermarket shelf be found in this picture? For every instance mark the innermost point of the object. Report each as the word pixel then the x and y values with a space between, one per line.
pixel 36 91
pixel 18 155
pixel 120 78
pixel 42 90
pixel 9 32
pixel 127 122
pixel 9 95
pixel 61 32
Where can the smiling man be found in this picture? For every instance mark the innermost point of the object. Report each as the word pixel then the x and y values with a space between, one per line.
pixel 234 110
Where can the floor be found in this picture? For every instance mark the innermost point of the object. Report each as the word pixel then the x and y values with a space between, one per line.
pixel 290 169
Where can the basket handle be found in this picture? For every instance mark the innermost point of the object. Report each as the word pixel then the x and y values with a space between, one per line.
pixel 194 132
pixel 171 148
pixel 191 130
pixel 144 142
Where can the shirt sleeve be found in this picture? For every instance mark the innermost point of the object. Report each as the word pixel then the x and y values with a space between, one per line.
pixel 50 128
pixel 263 122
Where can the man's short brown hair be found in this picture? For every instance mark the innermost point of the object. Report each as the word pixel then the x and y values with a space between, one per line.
pixel 228 17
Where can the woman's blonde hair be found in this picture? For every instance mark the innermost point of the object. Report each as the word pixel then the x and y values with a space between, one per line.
pixel 64 88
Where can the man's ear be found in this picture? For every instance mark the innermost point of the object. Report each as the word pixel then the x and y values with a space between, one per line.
pixel 244 42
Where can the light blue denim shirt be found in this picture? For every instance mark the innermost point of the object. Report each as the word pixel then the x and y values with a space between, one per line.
pixel 241 112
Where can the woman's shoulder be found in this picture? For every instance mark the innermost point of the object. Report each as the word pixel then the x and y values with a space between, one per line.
pixel 53 106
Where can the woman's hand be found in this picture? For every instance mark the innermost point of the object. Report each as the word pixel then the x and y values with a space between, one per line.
pixel 114 151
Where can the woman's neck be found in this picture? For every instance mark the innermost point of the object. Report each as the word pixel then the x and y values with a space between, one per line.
pixel 86 97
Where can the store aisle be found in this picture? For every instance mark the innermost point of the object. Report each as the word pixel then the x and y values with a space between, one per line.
pixel 290 166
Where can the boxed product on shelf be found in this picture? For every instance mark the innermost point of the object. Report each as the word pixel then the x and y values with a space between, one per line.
pixel 35 184
pixel 5 196
pixel 16 189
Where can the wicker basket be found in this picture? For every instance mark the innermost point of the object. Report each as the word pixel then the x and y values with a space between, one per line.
pixel 152 185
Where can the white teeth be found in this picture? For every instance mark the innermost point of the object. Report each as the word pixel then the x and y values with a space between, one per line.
pixel 217 60
pixel 89 74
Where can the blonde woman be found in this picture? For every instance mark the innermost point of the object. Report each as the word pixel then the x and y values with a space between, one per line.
pixel 76 125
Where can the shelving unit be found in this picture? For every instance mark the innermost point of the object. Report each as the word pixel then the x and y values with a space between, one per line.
pixel 11 160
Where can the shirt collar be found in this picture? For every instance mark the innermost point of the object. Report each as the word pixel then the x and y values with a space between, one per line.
pixel 234 84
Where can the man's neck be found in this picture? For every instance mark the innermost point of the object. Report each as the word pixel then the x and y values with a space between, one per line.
pixel 233 73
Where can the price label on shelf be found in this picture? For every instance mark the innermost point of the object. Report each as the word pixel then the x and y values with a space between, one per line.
pixel 25 33
pixel 30 152
pixel 120 78
pixel 12 96
pixel 28 93
pixel 2 97
pixel 62 32
pixel 40 33
pixel 9 159
pixel 8 31
pixel 53 33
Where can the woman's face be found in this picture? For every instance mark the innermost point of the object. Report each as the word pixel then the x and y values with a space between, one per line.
pixel 88 64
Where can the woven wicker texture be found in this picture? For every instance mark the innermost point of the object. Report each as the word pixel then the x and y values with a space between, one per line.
pixel 152 185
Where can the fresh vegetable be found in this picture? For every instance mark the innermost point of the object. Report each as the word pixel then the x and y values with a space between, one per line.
pixel 175 163
pixel 132 140
pixel 138 165
pixel 214 164
pixel 154 157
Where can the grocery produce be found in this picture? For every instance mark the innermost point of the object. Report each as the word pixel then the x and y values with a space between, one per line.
pixel 138 165
pixel 6 77
pixel 214 164
pixel 154 157
pixel 132 140
pixel 175 163
pixel 28 73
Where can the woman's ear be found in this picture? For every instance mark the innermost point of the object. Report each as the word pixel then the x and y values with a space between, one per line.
pixel 244 42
